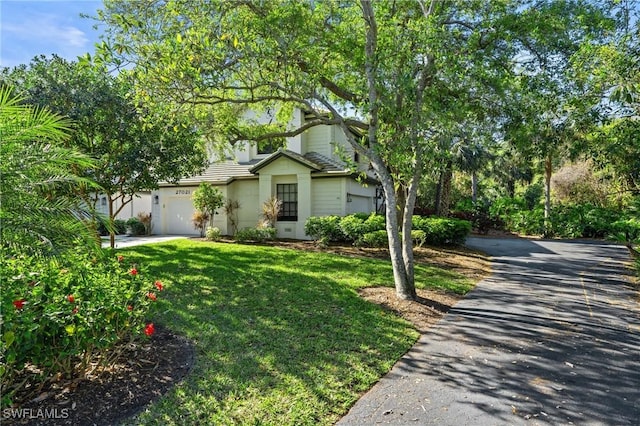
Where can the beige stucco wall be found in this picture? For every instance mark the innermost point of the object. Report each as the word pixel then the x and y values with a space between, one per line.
pixel 246 193
pixel 328 196
pixel 141 203
pixel 318 139
pixel 362 197
pixel 174 211
pixel 317 196
pixel 284 170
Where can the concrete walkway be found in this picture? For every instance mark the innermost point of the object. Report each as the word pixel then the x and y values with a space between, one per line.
pixel 123 241
pixel 551 338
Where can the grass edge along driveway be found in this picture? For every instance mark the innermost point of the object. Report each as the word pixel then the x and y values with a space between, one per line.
pixel 281 335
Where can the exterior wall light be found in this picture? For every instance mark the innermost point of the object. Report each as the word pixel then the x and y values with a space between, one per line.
pixel 156 199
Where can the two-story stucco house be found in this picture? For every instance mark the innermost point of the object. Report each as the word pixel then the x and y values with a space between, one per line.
pixel 307 175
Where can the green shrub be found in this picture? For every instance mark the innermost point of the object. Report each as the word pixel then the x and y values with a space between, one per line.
pixel 324 229
pixel 533 195
pixel 419 237
pixel 374 239
pixel 258 235
pixel 565 220
pixel 120 226
pixel 213 233
pixel 361 215
pixel 442 231
pixel 504 207
pixel 528 222
pixel 354 226
pixel 380 238
pixel 135 227
pixel 626 231
pixel 61 315
pixel 375 222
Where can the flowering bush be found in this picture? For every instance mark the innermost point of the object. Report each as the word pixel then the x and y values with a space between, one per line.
pixel 213 233
pixel 67 317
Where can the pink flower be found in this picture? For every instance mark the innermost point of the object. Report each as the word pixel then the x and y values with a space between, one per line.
pixel 74 311
pixel 129 308
pixel 152 296
pixel 158 285
pixel 133 271
pixel 120 258
pixel 71 299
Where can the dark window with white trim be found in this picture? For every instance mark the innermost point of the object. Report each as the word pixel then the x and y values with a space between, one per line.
pixel 287 193
pixel 267 147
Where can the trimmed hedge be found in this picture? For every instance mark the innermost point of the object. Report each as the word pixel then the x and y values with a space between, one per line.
pixel 355 226
pixel 258 235
pixel 442 231
pixel 324 229
pixel 380 239
pixel 369 230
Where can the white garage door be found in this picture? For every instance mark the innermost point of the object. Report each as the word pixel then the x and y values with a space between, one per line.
pixel 179 211
pixel 359 204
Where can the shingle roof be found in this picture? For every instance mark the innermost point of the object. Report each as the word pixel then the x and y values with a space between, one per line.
pixel 226 171
pixel 289 154
pixel 327 164
pixel 221 172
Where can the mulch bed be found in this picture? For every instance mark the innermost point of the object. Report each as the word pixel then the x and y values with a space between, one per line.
pixel 142 374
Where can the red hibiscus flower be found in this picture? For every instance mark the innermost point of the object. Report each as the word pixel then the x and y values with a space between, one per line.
pixel 19 304
pixel 71 299
pixel 133 271
pixel 152 296
pixel 149 329
pixel 158 285
pixel 120 258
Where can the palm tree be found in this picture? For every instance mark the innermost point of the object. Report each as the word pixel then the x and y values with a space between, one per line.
pixel 471 157
pixel 39 211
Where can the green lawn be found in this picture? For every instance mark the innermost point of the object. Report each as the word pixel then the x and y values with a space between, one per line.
pixel 281 335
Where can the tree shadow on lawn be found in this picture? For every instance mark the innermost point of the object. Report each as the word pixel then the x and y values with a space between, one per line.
pixel 279 338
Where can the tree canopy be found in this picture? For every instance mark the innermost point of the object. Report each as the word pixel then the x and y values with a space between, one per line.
pixel 133 147
pixel 397 77
pixel 39 212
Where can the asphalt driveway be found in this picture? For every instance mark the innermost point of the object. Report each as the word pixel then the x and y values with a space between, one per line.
pixel 552 337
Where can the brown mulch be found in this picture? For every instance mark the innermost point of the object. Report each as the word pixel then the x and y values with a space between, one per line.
pixel 429 307
pixel 144 372
pixel 147 370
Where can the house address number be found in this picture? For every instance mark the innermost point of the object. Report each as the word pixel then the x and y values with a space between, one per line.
pixel 183 192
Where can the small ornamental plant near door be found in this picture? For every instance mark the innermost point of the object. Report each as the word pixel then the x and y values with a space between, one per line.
pixel 68 317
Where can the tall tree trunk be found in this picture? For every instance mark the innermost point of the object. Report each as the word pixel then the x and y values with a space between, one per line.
pixel 511 187
pixel 401 198
pixel 112 230
pixel 445 196
pixel 548 170
pixel 474 187
pixel 407 226
pixel 438 200
pixel 405 288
